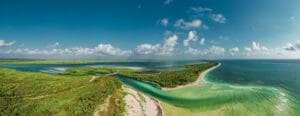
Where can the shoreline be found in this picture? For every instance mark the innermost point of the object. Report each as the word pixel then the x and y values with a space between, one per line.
pixel 199 79
pixel 138 104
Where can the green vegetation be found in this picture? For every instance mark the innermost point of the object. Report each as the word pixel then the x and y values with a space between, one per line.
pixel 87 71
pixel 43 94
pixel 116 105
pixel 94 71
pixel 72 93
pixel 172 78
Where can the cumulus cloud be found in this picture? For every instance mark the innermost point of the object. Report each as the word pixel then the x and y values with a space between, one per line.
pixel 248 49
pixel 99 50
pixel 169 45
pixel 202 41
pixel 188 25
pixel 220 18
pixel 203 11
pixel 147 49
pixel 200 9
pixel 256 47
pixel 212 51
pixel 257 50
pixel 108 49
pixel 166 49
pixel 192 36
pixel 289 47
pixel 215 50
pixel 29 52
pixel 6 44
pixel 164 22
pixel 292 47
pixel 233 51
pixel 192 51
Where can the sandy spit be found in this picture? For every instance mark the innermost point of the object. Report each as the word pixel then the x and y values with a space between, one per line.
pixel 200 79
pixel 138 104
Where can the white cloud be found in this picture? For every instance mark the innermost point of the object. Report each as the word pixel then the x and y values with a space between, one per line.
pixel 192 51
pixel 200 9
pixel 247 49
pixel 81 51
pixel 233 51
pixel 5 44
pixel 257 50
pixel 99 50
pixel 212 51
pixel 164 22
pixel 292 47
pixel 218 18
pixel 297 44
pixel 202 41
pixel 215 50
pixel 147 49
pixel 255 46
pixel 169 45
pixel 166 49
pixel 188 25
pixel 203 11
pixel 289 47
pixel 192 36
pixel 264 48
pixel 108 49
pixel 168 2
pixel 28 52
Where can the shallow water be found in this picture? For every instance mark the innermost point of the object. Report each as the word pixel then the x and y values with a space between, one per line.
pixel 237 87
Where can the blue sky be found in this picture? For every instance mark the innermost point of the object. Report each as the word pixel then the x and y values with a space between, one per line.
pixel 150 29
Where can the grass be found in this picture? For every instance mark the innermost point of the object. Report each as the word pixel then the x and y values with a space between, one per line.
pixel 72 93
pixel 116 105
pixel 24 93
pixel 94 71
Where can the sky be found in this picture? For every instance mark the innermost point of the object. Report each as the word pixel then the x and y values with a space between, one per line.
pixel 150 29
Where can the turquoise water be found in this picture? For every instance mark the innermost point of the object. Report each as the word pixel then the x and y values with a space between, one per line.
pixel 283 74
pixel 237 87
pixel 242 87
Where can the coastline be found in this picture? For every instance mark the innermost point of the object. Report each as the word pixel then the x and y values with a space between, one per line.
pixel 139 104
pixel 199 80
